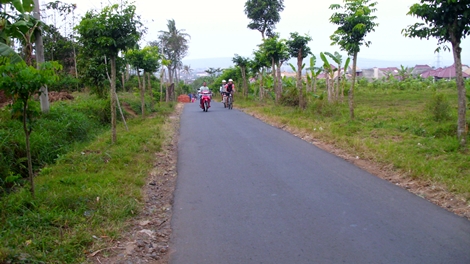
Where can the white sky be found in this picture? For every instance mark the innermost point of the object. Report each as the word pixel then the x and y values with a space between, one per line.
pixel 218 28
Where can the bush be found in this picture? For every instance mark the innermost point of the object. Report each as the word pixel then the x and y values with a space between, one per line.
pixel 439 107
pixel 54 134
pixel 66 83
pixel 290 97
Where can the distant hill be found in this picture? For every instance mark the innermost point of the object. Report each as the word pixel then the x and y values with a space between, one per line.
pixel 364 63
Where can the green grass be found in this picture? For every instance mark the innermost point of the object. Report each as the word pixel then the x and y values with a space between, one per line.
pixel 392 127
pixel 84 199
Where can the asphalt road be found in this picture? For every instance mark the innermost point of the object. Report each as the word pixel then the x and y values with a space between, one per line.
pixel 251 193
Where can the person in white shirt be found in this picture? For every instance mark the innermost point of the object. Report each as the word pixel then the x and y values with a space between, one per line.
pixel 202 89
pixel 222 89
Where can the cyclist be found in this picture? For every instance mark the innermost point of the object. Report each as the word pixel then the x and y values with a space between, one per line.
pixel 230 87
pixel 222 89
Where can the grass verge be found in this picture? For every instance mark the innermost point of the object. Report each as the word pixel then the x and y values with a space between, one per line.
pixel 82 201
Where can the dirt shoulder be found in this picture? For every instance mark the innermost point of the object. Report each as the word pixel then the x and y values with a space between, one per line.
pixel 148 237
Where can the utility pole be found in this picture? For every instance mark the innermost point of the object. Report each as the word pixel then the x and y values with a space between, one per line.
pixel 44 97
pixel 438 62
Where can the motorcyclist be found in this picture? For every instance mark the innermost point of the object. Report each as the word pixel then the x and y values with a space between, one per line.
pixel 203 89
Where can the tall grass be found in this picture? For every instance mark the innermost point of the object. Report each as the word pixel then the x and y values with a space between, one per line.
pixel 54 134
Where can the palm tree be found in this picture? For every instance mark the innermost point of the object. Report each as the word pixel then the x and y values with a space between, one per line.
pixel 174 45
pixel 187 71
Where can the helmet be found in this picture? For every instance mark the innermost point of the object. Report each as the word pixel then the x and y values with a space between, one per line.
pixel 223 81
pixel 230 80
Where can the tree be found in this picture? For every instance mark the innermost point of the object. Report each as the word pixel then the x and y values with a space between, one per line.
pixel 150 65
pixel 298 49
pixel 258 65
pixel 135 57
pixel 404 72
pixel 213 72
pixel 21 82
pixel 338 59
pixel 187 71
pixel 330 75
pixel 44 96
pixel 107 33
pixel 276 49
pixel 174 45
pixel 264 15
pixel 57 46
pixel 448 21
pixel 314 71
pixel 242 63
pixel 355 22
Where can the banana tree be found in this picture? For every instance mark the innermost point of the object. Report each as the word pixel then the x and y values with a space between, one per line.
pixel 314 72
pixel 338 59
pixel 330 75
pixel 21 26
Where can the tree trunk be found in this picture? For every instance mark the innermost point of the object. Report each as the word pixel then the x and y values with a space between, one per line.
pixel 261 89
pixel 150 89
pixel 276 93
pixel 338 82
pixel 351 91
pixel 462 98
pixel 142 93
pixel 27 133
pixel 308 83
pixel 314 78
pixel 245 86
pixel 328 87
pixel 170 76
pixel 113 99
pixel 162 73
pixel 44 97
pixel 279 79
pixel 123 82
pixel 299 80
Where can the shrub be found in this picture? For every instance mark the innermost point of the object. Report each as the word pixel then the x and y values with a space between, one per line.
pixel 439 107
pixel 54 134
pixel 290 97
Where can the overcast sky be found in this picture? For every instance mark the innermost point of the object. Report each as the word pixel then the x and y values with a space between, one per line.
pixel 219 28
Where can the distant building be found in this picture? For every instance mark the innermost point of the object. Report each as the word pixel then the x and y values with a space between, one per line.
pixel 419 69
pixel 445 73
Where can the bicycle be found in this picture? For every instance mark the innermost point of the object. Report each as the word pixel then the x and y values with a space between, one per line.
pixel 230 101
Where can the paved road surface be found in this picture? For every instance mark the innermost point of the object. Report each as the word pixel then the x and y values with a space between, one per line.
pixel 251 193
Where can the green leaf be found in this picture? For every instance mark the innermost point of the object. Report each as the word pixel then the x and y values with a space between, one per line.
pixel 7 51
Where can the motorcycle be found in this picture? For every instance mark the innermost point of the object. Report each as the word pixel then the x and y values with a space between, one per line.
pixel 205 101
